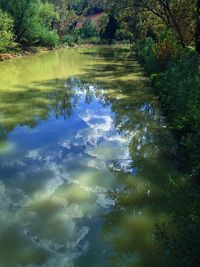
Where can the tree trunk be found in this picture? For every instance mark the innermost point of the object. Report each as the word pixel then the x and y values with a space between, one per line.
pixel 197 37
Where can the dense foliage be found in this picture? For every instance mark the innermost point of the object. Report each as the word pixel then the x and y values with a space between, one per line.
pixel 32 21
pixel 6 35
pixel 51 22
pixel 176 78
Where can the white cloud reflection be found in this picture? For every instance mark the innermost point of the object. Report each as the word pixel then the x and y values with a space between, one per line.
pixel 58 190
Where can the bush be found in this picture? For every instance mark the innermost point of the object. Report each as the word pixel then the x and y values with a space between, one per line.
pixel 182 241
pixel 156 56
pixel 87 34
pixel 49 39
pixel 6 34
pixel 72 38
pixel 123 35
pixel 165 50
pixel 144 50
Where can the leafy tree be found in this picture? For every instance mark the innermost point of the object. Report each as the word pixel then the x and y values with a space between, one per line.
pixel 6 34
pixel 32 20
pixel 79 6
pixel 67 13
pixel 147 15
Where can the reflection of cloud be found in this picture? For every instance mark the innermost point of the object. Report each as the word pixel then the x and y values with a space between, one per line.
pixel 105 201
pixel 103 122
pixel 86 137
pixel 63 254
pixel 25 213
pixel 66 144
pixel 62 182
pixel 34 154
pixel 39 207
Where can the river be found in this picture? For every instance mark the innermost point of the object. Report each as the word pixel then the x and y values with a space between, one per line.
pixel 85 155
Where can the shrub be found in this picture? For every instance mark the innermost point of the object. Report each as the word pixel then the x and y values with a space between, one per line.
pixel 144 50
pixel 49 38
pixel 176 78
pixel 72 38
pixel 156 56
pixel 122 35
pixel 165 50
pixel 182 241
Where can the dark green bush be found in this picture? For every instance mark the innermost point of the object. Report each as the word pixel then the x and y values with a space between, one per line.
pixel 123 35
pixel 156 56
pixel 144 50
pixel 72 38
pixel 183 240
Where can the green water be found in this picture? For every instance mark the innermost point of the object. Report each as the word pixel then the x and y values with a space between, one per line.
pixel 84 159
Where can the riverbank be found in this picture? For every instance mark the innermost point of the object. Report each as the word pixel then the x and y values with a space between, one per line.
pixel 37 50
pixel 24 52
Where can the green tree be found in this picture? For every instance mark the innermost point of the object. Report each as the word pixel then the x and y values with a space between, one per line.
pixel 147 15
pixel 6 34
pixel 32 20
pixel 88 30
pixel 67 13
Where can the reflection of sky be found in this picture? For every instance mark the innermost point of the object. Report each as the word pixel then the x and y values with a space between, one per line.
pixel 56 177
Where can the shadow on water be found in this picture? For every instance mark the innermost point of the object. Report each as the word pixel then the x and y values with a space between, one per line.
pixel 29 105
pixel 117 81
pixel 157 188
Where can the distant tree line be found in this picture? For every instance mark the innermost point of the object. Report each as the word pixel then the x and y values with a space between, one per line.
pixel 25 23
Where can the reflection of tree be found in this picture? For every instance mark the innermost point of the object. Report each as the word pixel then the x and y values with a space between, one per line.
pixel 62 102
pixel 27 106
pixel 130 226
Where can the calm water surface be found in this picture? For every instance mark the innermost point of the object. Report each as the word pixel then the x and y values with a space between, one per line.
pixel 84 157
